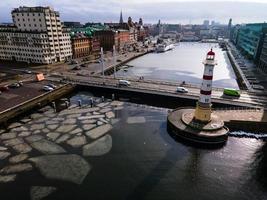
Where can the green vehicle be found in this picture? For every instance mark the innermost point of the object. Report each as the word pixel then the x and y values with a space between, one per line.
pixel 231 92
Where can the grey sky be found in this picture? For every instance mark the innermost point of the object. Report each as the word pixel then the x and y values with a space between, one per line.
pixel 172 11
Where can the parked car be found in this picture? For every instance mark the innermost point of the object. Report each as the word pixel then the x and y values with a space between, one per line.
pixel 52 85
pixel 47 88
pixel 181 90
pixel 14 85
pixel 4 88
pixel 83 65
pixel 74 62
pixel 76 68
pixel 124 83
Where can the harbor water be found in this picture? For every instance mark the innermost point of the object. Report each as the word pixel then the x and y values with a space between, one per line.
pixel 184 63
pixel 136 158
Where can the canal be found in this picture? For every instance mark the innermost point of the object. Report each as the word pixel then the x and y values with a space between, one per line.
pixel 184 63
pixel 121 150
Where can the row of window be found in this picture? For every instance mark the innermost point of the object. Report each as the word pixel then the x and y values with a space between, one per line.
pixel 28 19
pixel 35 25
pixel 28 14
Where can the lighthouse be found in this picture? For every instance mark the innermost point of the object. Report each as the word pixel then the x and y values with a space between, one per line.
pixel 200 125
pixel 203 108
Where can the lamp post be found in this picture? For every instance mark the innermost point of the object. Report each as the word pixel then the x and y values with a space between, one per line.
pixel 114 61
pixel 102 63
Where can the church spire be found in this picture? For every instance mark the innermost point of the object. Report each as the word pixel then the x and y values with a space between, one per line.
pixel 121 18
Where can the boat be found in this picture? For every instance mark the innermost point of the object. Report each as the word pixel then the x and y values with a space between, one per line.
pixel 166 46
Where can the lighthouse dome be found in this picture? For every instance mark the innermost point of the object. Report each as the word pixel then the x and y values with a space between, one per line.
pixel 211 53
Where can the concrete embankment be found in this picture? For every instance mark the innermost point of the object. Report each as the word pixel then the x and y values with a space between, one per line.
pixel 241 80
pixel 110 69
pixel 38 101
pixel 249 120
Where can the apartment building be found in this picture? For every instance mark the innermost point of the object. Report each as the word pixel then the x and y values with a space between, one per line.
pixel 36 36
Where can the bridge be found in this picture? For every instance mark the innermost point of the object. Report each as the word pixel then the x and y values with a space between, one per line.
pixel 162 88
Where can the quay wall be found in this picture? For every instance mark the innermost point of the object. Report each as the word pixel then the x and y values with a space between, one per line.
pixel 249 126
pixel 36 102
pixel 110 70
pixel 240 77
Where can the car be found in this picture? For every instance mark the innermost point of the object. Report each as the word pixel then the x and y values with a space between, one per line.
pixel 74 62
pixel 124 83
pixel 27 71
pixel 83 65
pixel 231 92
pixel 181 90
pixel 14 85
pixel 52 85
pixel 76 68
pixel 4 88
pixel 47 88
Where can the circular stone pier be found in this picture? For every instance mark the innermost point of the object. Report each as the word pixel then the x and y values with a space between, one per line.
pixel 182 124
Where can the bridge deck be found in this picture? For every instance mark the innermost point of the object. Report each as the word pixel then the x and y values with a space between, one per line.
pixel 166 89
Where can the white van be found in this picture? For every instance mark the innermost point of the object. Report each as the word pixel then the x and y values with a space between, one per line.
pixel 182 90
pixel 124 83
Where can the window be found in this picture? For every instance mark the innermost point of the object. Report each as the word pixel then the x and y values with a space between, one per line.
pixel 206 100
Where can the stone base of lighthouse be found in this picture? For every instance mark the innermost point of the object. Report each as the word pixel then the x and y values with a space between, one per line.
pixel 182 124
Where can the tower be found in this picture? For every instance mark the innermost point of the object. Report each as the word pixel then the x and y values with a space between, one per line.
pixel 121 18
pixel 141 22
pixel 203 108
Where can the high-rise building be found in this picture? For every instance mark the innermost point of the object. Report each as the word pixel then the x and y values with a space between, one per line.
pixel 229 28
pixel 37 36
pixel 206 22
pixel 121 18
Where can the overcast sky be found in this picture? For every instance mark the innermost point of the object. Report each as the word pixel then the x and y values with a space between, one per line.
pixel 169 11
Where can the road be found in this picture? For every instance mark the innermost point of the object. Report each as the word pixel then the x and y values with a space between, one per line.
pixel 167 88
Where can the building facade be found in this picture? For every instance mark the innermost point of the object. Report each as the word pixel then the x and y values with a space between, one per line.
pixel 80 46
pixel 37 36
pixel 250 39
pixel 263 57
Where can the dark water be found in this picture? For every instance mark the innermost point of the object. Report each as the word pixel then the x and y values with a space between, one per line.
pixel 146 163
pixel 184 63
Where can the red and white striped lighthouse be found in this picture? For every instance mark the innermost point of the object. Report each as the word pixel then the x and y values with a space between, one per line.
pixel 203 109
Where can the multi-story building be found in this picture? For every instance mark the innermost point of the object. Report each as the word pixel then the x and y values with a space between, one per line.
pixel 108 38
pixel 263 57
pixel 234 34
pixel 94 46
pixel 37 36
pixel 80 46
pixel 250 39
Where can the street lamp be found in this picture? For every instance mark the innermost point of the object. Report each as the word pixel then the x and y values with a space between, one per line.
pixel 114 61
pixel 102 63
